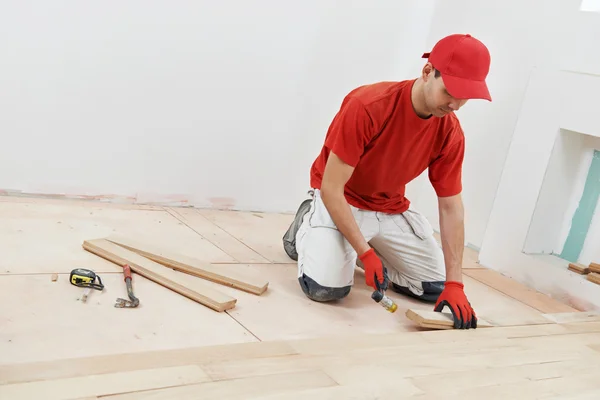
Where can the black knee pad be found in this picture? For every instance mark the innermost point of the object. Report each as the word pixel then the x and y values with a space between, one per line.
pixel 431 291
pixel 319 293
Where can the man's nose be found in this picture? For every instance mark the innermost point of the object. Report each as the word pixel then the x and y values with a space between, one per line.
pixel 455 104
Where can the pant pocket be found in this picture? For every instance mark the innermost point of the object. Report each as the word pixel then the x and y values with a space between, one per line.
pixel 419 224
pixel 319 215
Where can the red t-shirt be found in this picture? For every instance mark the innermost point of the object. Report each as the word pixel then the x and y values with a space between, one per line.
pixel 378 132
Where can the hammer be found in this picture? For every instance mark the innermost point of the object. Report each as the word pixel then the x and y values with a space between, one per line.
pixel 133 302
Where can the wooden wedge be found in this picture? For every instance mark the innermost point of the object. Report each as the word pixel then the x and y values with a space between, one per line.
pixel 186 285
pixel 594 277
pixel 579 268
pixel 193 266
pixel 438 320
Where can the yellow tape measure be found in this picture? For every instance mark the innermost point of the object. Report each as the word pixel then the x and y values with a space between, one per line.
pixel 85 278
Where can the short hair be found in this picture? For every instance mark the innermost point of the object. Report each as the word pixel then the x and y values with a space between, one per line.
pixel 437 73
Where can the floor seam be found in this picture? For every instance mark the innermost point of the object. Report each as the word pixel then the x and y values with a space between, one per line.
pixel 243 326
pixel 181 219
pixel 233 237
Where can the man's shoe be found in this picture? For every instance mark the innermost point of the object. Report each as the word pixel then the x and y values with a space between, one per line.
pixel 289 239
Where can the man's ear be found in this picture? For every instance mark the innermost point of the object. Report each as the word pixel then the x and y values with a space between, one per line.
pixel 427 71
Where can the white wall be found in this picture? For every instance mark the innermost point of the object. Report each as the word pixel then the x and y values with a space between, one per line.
pixel 188 102
pixel 553 101
pixel 519 35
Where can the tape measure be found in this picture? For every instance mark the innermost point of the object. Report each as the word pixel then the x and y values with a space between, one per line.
pixel 85 278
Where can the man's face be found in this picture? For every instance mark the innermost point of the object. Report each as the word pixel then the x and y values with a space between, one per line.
pixel 438 100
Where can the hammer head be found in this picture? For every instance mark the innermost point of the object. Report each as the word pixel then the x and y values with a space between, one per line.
pixel 122 303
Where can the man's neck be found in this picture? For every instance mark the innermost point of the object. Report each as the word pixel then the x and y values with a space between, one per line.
pixel 418 101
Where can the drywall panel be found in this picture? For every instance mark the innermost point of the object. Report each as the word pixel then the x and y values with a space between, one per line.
pixel 202 103
pixel 584 212
pixel 577 186
pixel 517 195
pixel 591 247
pixel 561 191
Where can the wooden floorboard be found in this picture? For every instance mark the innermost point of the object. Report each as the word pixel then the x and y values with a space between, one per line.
pixel 478 363
pixel 279 345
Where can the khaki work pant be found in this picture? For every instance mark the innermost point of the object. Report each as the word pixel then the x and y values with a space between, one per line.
pixel 404 242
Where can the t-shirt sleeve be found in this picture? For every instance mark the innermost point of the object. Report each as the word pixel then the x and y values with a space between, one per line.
pixel 350 131
pixel 445 173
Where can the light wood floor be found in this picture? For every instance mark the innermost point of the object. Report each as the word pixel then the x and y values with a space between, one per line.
pixel 279 345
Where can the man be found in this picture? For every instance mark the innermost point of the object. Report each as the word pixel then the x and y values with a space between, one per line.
pixel 384 136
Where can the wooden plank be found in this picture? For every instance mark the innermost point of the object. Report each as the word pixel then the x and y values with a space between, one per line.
pixel 579 268
pixel 523 382
pixel 518 291
pixel 567 318
pixel 121 362
pixel 438 320
pixel 105 384
pixel 511 332
pixel 381 391
pixel 193 266
pixel 186 285
pixel 244 388
pixel 594 277
pixel 594 267
pixel 347 365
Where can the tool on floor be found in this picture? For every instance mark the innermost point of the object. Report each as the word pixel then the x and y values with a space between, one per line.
pixel 380 297
pixel 85 278
pixel 85 294
pixel 133 301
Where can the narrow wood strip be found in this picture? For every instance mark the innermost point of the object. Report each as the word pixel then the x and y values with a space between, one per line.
pixel 438 320
pixel 518 291
pixel 579 268
pixel 74 367
pixel 193 266
pixel 105 384
pixel 511 332
pixel 188 286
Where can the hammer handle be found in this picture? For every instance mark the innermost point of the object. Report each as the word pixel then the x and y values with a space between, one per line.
pixel 127 271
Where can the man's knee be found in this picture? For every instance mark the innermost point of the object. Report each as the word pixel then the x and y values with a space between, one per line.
pixel 429 293
pixel 319 293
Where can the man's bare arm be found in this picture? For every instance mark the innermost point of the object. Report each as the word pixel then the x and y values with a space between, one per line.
pixel 336 175
pixel 452 230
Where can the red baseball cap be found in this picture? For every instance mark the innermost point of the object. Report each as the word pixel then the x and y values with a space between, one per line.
pixel 464 63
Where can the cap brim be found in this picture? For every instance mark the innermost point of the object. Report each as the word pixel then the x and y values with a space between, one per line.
pixel 461 88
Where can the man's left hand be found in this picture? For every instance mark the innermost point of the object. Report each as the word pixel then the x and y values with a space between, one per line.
pixel 454 297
